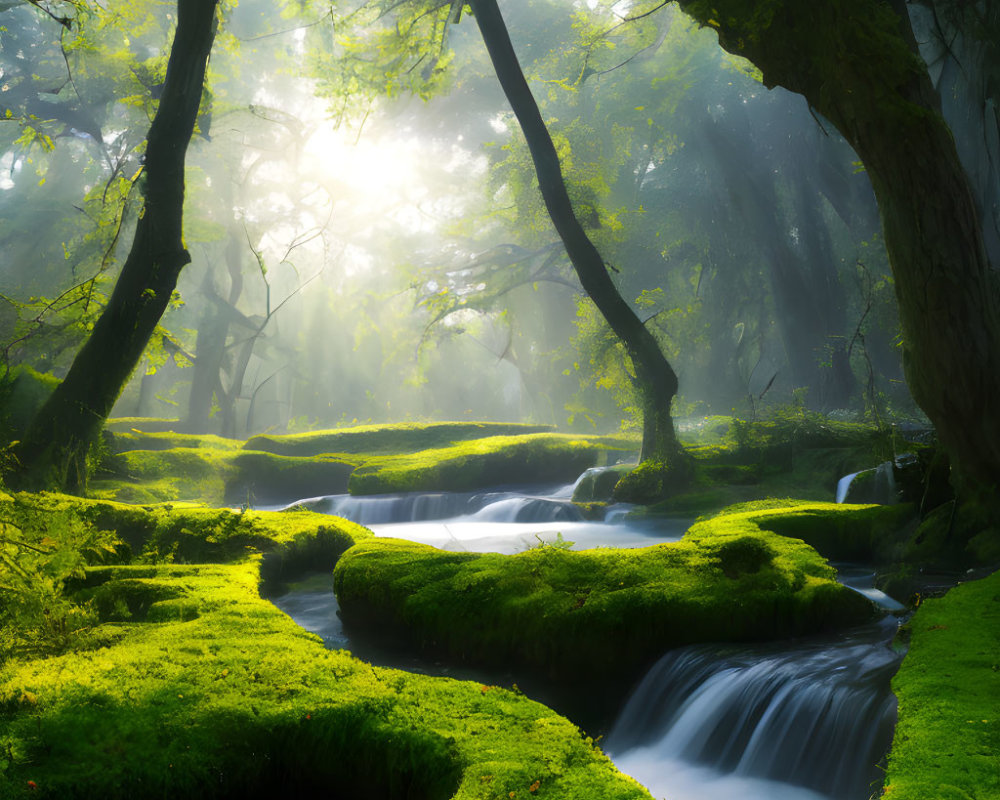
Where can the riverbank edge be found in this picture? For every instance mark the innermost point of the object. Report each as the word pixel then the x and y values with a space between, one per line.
pixel 947 742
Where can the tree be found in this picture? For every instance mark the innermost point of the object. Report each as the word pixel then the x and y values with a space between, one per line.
pixel 856 63
pixel 656 379
pixel 55 448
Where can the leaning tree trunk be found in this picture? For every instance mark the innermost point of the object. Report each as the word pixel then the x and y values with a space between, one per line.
pixel 54 450
pixel 855 61
pixel 655 378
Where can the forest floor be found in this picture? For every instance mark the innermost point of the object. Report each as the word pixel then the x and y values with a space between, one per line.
pixel 139 658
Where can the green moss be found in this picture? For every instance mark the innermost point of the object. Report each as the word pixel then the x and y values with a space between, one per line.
pixel 710 430
pixel 213 693
pixel 188 474
pixel 145 424
pixel 481 463
pixel 217 476
pixel 839 531
pixel 651 481
pixel 947 742
pixel 167 533
pixel 398 438
pixel 134 439
pixel 793 453
pixel 596 613
pixel 214 472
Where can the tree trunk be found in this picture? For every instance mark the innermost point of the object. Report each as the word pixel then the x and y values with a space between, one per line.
pixel 54 451
pixel 655 377
pixel 855 61
pixel 213 333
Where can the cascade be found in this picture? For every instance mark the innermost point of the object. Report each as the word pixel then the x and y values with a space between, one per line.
pixel 843 485
pixel 876 485
pixel 494 506
pixel 803 722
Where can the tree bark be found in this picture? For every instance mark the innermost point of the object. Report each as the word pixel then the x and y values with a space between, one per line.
pixel 655 378
pixel 54 451
pixel 855 61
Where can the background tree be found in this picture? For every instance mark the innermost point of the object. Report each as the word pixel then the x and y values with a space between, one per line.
pixel 657 382
pixel 856 63
pixel 55 448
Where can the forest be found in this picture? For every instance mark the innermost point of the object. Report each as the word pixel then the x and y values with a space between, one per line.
pixel 414 400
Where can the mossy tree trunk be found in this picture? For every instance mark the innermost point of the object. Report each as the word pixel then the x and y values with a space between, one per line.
pixel 54 450
pixel 855 61
pixel 655 378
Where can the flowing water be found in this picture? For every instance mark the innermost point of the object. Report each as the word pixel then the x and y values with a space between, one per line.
pixel 805 720
pixel 797 722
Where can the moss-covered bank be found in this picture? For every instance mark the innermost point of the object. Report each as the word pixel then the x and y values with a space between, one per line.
pixel 947 742
pixel 482 463
pixel 188 684
pixel 401 437
pixel 289 542
pixel 211 692
pixel 602 613
pixel 162 467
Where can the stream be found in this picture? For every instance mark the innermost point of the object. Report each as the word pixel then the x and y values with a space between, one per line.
pixel 802 720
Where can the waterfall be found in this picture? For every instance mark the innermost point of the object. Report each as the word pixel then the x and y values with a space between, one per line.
pixel 497 506
pixel 843 485
pixel 806 722
pixel 876 485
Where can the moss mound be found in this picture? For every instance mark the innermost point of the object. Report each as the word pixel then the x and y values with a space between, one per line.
pixel 481 463
pixel 217 476
pixel 119 441
pixel 288 541
pixel 596 613
pixel 399 438
pixel 651 481
pixel 843 532
pixel 193 686
pixel 947 742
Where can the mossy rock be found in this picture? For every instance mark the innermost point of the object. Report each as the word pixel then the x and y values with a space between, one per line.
pixel 238 701
pixel 595 614
pixel 652 481
pixel 387 438
pixel 947 742
pixel 483 463
pixel 598 484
